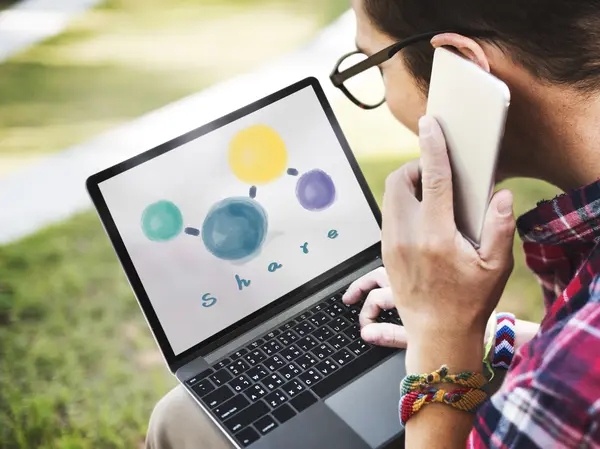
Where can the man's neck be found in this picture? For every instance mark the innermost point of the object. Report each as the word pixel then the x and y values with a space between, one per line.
pixel 559 134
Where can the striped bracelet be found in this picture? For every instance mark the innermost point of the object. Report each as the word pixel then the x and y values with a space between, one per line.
pixel 504 348
pixel 465 399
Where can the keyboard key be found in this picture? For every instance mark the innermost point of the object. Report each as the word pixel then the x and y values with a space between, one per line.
pixel 353 369
pixel 310 377
pixel 247 436
pixel 333 299
pixel 353 332
pixel 304 329
pixel 322 351
pixel 256 344
pixel 273 381
pixel 199 377
pixel 221 377
pixel 275 362
pixel 289 324
pixel 255 357
pixel 334 311
pixel 359 347
pixel 240 383
pixel 326 367
pixel 255 392
pixel 203 387
pixel 319 319
pixel 272 334
pixel 265 424
pixel 307 343
pixel 303 401
pixel 342 357
pixel 218 396
pixel 291 353
pixel 222 364
pixel 352 315
pixel 306 361
pixel 257 373
pixel 287 338
pixel 275 399
pixel 338 342
pixel 231 407
pixel 272 347
pixel 284 413
pixel 323 333
pixel 304 316
pixel 239 354
pixel 290 371
pixel 238 367
pixel 247 416
pixel 339 324
pixel 293 388
pixel 319 307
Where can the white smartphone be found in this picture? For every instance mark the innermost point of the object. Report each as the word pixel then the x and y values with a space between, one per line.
pixel 471 106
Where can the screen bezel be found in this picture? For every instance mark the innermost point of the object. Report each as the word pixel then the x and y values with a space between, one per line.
pixel 277 306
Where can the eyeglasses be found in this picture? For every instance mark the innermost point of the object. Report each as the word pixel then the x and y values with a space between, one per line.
pixel 359 76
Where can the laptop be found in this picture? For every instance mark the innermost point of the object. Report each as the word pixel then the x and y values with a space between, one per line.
pixel 239 239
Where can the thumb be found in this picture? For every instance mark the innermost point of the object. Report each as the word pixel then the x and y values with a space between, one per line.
pixel 384 334
pixel 498 229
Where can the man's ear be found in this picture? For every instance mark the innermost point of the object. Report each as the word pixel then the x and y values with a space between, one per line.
pixel 464 46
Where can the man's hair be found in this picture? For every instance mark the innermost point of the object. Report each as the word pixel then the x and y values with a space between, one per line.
pixel 556 40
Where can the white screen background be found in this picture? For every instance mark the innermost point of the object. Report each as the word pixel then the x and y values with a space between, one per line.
pixel 177 273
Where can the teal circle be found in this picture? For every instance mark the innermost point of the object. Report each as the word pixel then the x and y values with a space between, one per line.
pixel 162 221
pixel 235 228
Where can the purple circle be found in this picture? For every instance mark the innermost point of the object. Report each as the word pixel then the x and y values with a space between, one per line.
pixel 315 190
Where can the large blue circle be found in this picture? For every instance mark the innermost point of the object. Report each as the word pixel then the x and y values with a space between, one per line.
pixel 235 228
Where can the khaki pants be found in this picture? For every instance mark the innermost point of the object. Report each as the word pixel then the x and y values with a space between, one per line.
pixel 177 422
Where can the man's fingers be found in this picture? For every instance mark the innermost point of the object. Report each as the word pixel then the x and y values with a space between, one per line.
pixel 436 176
pixel 401 185
pixel 498 229
pixel 363 285
pixel 377 300
pixel 384 334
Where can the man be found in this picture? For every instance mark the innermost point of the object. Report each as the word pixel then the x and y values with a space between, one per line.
pixel 549 55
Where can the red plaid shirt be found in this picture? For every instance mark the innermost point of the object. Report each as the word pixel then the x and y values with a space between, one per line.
pixel 550 397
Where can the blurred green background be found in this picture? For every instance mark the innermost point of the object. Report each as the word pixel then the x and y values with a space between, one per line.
pixel 72 339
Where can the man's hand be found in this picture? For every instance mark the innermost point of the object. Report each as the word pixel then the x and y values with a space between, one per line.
pixel 444 289
pixel 375 287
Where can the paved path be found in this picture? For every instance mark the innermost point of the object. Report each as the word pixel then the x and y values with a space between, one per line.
pixel 31 21
pixel 53 189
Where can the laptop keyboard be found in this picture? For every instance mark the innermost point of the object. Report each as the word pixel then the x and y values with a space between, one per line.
pixel 279 375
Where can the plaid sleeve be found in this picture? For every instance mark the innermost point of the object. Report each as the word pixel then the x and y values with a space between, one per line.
pixel 551 393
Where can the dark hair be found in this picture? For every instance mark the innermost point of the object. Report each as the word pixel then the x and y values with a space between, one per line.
pixel 556 40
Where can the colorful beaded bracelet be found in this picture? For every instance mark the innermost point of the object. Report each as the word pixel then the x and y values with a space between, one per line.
pixel 416 382
pixel 504 348
pixel 465 399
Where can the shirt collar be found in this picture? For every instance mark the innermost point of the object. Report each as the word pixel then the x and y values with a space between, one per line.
pixel 572 217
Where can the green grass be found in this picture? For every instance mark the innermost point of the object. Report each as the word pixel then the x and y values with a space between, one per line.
pixel 129 57
pixel 79 369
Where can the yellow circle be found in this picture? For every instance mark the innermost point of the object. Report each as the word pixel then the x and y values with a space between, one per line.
pixel 257 155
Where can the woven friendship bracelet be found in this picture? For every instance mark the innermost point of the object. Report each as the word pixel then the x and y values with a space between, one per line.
pixel 465 399
pixel 417 382
pixel 504 348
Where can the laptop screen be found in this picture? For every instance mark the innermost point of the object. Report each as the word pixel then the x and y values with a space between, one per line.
pixel 229 222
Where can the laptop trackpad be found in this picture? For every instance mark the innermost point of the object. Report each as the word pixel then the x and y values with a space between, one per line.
pixel 370 404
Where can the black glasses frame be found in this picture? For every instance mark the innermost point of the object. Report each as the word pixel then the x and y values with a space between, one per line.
pixel 339 78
